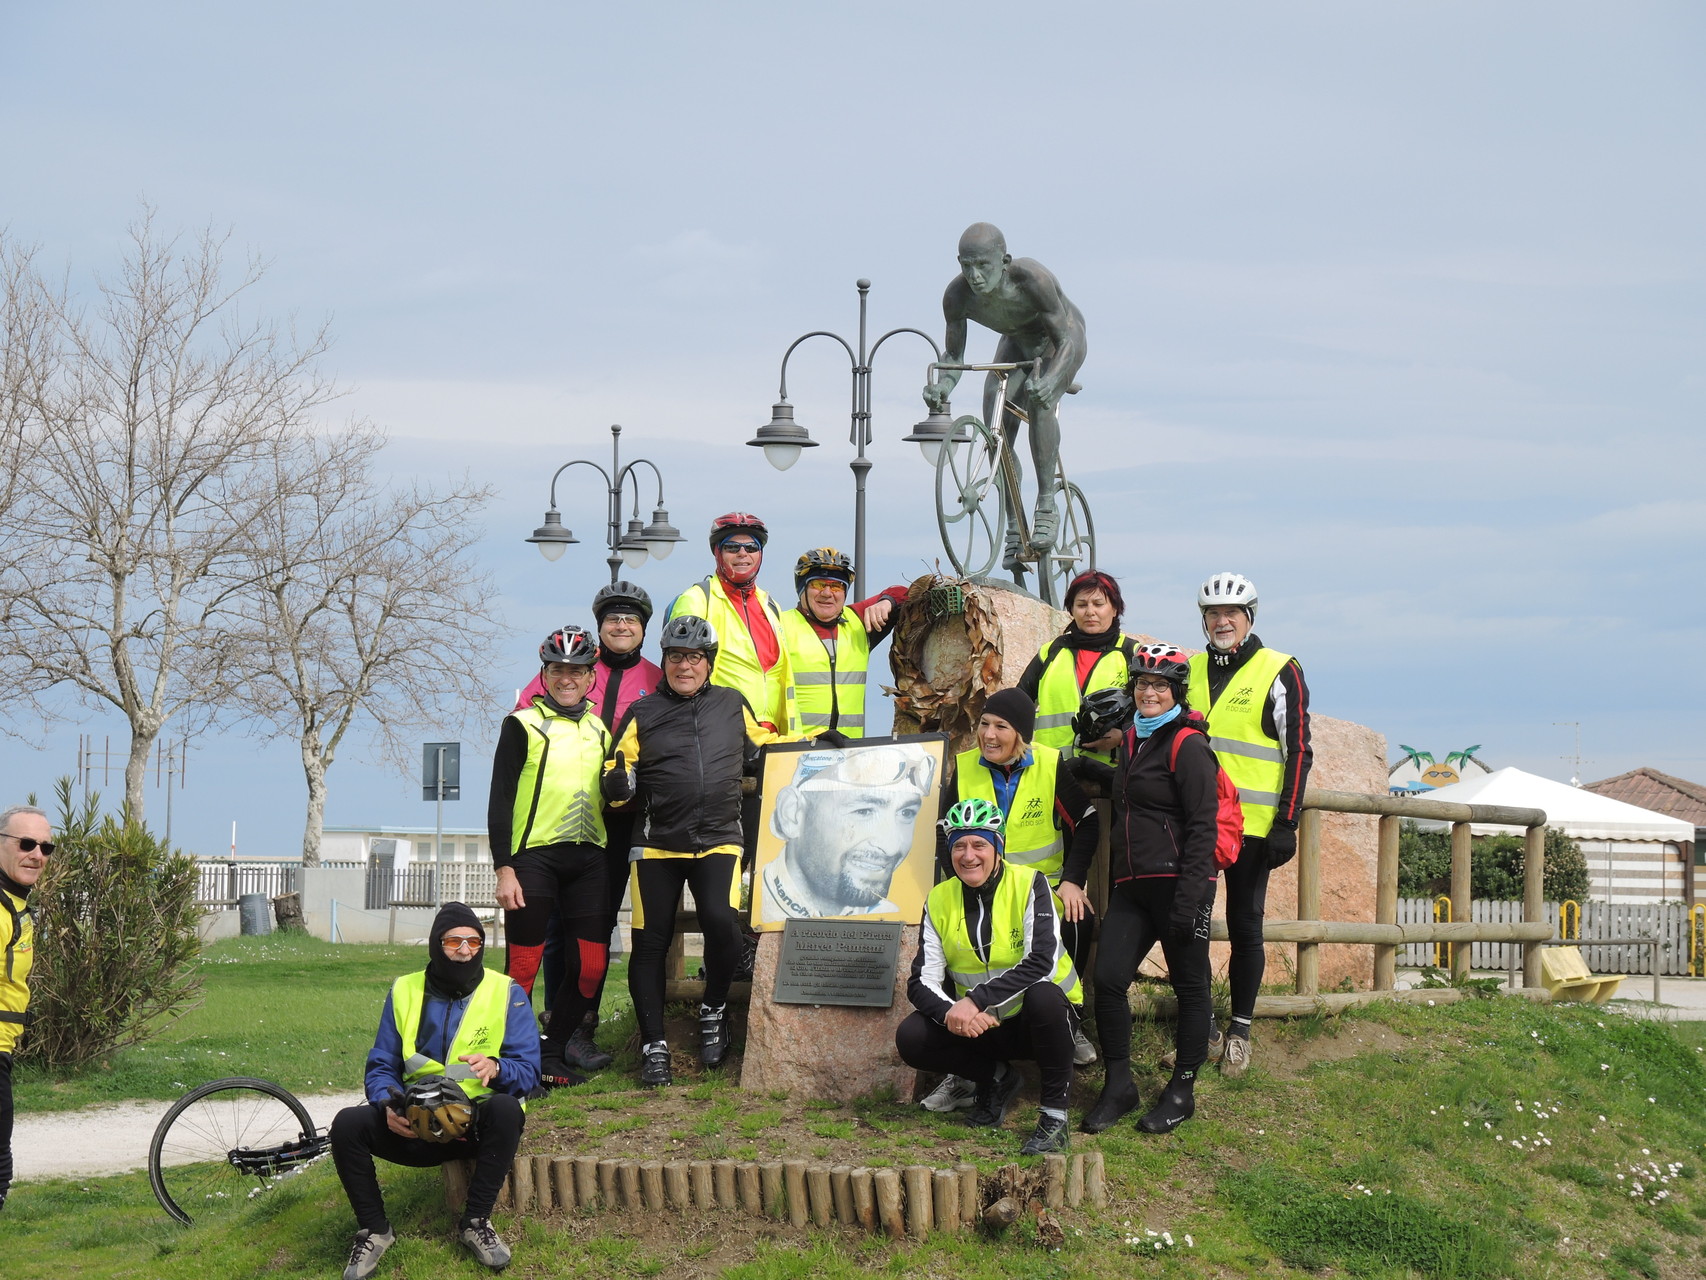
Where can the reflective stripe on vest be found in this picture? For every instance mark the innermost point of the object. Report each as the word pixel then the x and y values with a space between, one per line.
pixel 771 693
pixel 481 1031
pixel 1250 757
pixel 18 923
pixel 1028 830
pixel 830 689
pixel 1059 697
pixel 1009 938
pixel 557 798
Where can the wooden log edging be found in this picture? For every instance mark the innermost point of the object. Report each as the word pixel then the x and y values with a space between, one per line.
pixel 910 1202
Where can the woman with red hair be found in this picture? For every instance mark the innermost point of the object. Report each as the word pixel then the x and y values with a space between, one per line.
pixel 1090 654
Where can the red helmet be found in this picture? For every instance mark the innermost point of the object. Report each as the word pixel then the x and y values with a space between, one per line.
pixel 738 522
pixel 1165 660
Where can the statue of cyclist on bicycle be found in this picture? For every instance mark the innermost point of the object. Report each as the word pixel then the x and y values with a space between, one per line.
pixel 1021 300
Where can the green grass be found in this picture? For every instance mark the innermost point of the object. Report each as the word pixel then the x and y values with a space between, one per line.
pixel 1484 1140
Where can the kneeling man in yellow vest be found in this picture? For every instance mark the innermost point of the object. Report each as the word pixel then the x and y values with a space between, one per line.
pixel 992 981
pixel 455 1018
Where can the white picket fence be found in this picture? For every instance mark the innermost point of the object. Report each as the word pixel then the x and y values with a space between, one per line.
pixel 1667 921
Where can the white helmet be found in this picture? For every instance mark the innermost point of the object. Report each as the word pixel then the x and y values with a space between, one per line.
pixel 1229 588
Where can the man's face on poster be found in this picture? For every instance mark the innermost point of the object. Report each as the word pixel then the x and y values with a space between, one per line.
pixel 848 830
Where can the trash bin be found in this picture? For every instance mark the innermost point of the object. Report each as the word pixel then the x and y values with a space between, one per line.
pixel 254 914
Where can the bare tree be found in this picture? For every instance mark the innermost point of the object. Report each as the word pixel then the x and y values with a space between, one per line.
pixel 149 424
pixel 365 607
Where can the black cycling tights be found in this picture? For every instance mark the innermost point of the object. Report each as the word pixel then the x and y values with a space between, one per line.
pixel 1246 901
pixel 1136 919
pixel 565 881
pixel 656 891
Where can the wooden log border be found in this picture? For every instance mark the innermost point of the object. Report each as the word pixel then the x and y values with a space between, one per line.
pixel 913 1201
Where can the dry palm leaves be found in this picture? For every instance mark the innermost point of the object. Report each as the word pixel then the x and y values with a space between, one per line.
pixel 967 670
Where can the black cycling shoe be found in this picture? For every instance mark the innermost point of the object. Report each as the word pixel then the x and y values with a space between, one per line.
pixel 581 1051
pixel 556 1073
pixel 1119 1095
pixel 994 1099
pixel 654 1067
pixel 1171 1109
pixel 713 1035
pixel 1050 1135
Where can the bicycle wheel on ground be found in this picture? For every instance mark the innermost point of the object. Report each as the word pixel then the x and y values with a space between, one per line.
pixel 1074 543
pixel 225 1142
pixel 968 500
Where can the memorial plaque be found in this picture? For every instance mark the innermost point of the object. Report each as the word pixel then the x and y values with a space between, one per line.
pixel 837 962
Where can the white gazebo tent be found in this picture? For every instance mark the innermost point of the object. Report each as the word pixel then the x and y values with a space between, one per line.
pixel 1633 854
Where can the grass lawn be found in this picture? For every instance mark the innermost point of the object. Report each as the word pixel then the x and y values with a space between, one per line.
pixel 1491 1138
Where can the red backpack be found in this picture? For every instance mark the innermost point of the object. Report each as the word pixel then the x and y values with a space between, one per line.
pixel 1229 817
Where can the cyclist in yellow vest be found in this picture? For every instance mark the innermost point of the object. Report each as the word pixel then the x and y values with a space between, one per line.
pixel 750 659
pixel 544 816
pixel 453 1018
pixel 829 642
pixel 1257 707
pixel 992 981
pixel 26 843
pixel 1090 654
pixel 1049 826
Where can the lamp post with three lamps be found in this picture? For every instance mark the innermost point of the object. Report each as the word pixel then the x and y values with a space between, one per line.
pixel 629 547
pixel 782 438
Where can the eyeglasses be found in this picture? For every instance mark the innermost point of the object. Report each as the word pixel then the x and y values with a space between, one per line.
pixel 629 619
pixel 29 843
pixel 1153 686
pixel 683 657
pixel 573 671
pixel 457 945
pixel 741 548
pixel 825 584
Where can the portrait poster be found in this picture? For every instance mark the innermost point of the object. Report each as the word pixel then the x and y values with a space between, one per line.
pixel 848 833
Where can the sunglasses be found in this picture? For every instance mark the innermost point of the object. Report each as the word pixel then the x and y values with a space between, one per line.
pixel 742 548
pixel 454 945
pixel 29 843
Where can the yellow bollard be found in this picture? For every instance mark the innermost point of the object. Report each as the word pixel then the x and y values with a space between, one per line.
pixel 1442 915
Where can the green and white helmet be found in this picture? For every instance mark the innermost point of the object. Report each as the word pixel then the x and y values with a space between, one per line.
pixel 974 815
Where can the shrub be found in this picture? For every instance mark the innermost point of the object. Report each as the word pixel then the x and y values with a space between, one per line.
pixel 115 937
pixel 1495 866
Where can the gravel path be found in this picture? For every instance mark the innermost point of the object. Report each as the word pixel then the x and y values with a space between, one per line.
pixel 113 1139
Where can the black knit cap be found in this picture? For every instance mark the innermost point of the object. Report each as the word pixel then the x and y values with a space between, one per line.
pixel 454 979
pixel 1015 708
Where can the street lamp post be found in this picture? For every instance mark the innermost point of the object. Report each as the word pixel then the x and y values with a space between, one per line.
pixel 782 438
pixel 628 547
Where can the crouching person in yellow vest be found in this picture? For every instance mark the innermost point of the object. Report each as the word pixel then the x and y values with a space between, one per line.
pixel 992 981
pixel 455 1018
pixel 829 641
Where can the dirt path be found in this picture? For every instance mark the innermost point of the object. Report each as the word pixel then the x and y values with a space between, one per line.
pixel 112 1139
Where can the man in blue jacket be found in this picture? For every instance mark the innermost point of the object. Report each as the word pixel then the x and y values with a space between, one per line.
pixel 454 1019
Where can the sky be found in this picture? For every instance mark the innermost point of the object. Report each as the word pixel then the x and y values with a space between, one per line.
pixel 1395 308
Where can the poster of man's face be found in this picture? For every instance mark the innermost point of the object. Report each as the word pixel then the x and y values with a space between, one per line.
pixel 848 832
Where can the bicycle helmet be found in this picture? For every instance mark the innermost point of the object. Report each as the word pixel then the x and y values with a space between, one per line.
pixel 574 645
pixel 689 631
pixel 974 815
pixel 1165 660
pixel 738 522
pixel 624 597
pixel 822 562
pixel 1229 588
pixel 437 1109
pixel 1103 712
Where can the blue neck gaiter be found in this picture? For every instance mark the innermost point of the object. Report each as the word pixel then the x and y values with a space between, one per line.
pixel 1147 725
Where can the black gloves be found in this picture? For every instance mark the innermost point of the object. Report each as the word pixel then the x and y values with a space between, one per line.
pixel 1282 844
pixel 1188 919
pixel 618 783
pixel 833 738
pixel 1096 776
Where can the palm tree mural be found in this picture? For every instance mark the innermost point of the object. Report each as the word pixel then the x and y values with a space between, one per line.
pixel 1421 759
pixel 1466 757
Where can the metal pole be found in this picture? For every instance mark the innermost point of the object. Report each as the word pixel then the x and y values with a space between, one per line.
pixel 438 835
pixel 613 529
pixel 171 761
pixel 861 433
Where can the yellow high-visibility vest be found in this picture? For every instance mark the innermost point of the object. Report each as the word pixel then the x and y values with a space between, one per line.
pixel 1250 757
pixel 828 688
pixel 1059 697
pixel 481 1031
pixel 1028 829
pixel 557 799
pixel 771 693
pixel 1010 910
